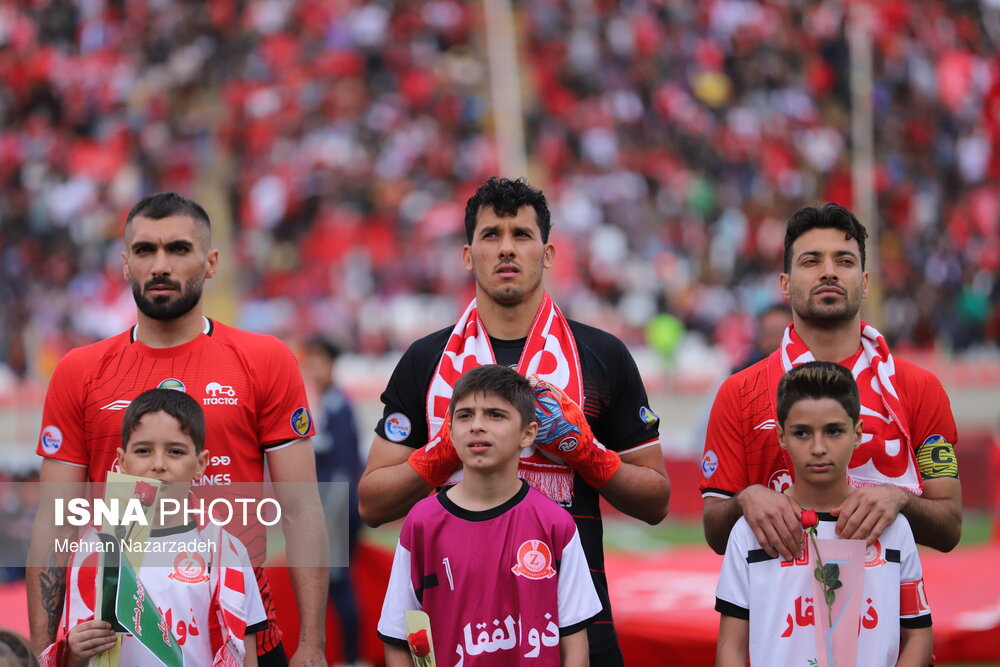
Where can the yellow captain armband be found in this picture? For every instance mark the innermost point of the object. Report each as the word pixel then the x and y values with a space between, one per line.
pixel 936 458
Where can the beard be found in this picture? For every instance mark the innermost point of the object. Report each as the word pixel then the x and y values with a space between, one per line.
pixel 161 307
pixel 507 296
pixel 819 313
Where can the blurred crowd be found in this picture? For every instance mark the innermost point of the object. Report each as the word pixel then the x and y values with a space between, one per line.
pixel 341 139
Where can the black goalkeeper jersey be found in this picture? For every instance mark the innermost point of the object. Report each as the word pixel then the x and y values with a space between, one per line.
pixel 615 404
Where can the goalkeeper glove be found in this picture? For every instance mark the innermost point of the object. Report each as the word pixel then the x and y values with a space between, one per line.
pixel 563 431
pixel 436 460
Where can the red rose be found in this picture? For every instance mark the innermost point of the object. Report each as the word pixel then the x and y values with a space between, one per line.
pixel 809 519
pixel 419 644
pixel 145 492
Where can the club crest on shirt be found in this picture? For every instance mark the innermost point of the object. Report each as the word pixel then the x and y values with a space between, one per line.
pixel 780 480
pixel 397 427
pixel 874 556
pixel 172 383
pixel 301 421
pixel 51 439
pixel 189 568
pixel 534 560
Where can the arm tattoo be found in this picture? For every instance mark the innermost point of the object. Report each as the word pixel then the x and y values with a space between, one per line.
pixel 53 591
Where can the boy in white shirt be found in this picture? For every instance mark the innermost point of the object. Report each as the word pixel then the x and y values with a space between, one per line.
pixel 209 596
pixel 819 429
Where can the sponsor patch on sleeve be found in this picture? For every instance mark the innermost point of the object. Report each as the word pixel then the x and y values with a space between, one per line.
pixel 51 439
pixel 648 417
pixel 301 421
pixel 397 427
pixel 936 458
pixel 709 464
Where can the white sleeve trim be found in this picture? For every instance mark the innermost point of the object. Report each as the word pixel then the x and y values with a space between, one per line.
pixel 649 443
pixel 288 443
pixel 578 599
pixel 68 463
pixel 399 596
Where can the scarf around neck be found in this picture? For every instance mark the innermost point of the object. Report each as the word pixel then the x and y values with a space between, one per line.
pixel 549 352
pixel 885 455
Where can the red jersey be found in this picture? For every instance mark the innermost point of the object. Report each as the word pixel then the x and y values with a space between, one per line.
pixel 741 443
pixel 248 384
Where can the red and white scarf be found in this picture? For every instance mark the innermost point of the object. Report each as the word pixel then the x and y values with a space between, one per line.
pixel 886 454
pixel 549 352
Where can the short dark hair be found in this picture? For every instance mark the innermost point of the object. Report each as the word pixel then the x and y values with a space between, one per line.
pixel 827 216
pixel 324 345
pixel 506 197
pixel 13 645
pixel 166 204
pixel 177 404
pixel 816 380
pixel 500 381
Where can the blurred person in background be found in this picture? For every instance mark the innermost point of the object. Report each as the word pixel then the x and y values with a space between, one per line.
pixel 337 460
pixel 906 462
pixel 514 322
pixel 770 327
pixel 251 388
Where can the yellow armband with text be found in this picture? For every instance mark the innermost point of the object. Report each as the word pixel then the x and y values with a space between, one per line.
pixel 936 458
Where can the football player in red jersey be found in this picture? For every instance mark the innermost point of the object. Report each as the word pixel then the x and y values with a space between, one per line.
pixel 248 384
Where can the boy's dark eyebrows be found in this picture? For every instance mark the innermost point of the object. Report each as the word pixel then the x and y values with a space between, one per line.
pixel 484 408
pixel 150 443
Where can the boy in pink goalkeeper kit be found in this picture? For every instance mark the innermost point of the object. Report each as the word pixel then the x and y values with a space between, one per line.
pixel 496 565
pixel 768 606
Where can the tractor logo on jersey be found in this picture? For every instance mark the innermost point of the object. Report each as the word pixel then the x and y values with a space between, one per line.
pixel 172 383
pixel 534 560
pixel 301 421
pixel 219 394
pixel 189 568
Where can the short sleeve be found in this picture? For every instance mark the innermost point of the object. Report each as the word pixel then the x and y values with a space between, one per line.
pixel 399 596
pixel 283 409
pixel 630 424
pixel 404 417
pixel 254 605
pixel 930 414
pixel 724 462
pixel 578 601
pixel 914 609
pixel 732 595
pixel 62 436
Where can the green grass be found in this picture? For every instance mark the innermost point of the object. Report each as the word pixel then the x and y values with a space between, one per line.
pixel 631 535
